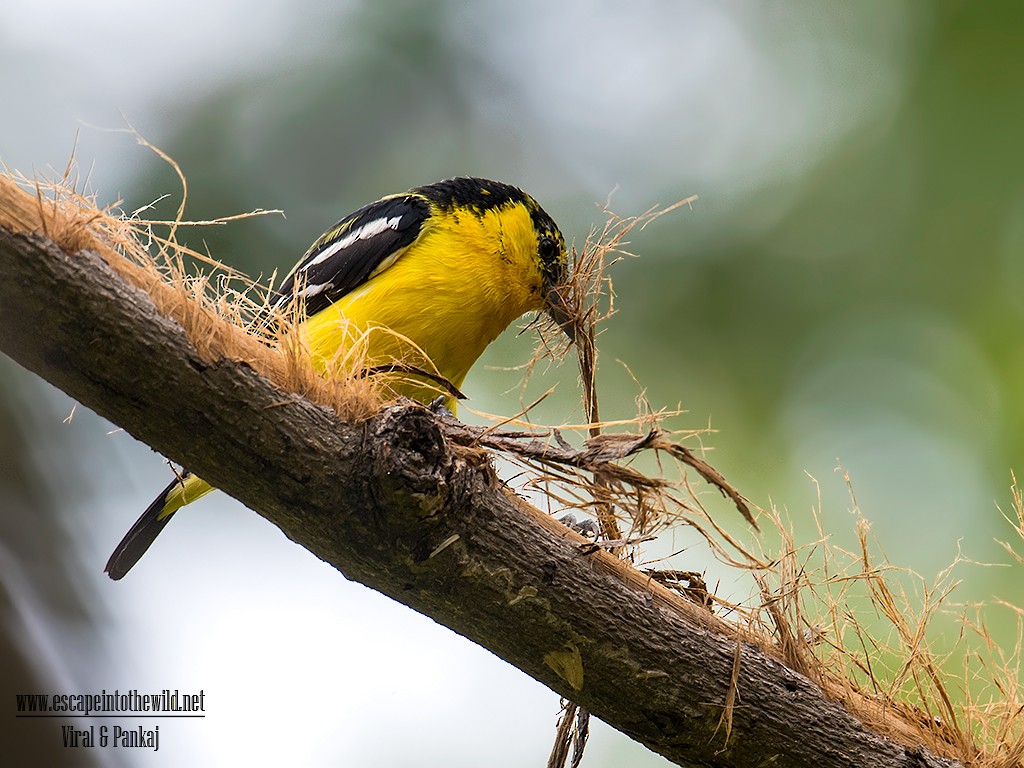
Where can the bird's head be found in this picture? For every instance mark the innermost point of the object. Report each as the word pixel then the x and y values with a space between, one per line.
pixel 554 267
pixel 484 197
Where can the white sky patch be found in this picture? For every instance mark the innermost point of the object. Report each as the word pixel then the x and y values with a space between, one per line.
pixel 719 98
pixel 192 48
pixel 365 232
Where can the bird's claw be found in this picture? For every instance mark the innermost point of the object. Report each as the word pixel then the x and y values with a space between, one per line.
pixel 587 528
pixel 437 406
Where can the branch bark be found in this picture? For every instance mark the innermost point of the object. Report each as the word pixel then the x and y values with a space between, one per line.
pixel 392 503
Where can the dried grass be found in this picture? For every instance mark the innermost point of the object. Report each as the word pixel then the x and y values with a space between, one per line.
pixel 858 627
pixel 845 619
pixel 223 313
pixel 876 638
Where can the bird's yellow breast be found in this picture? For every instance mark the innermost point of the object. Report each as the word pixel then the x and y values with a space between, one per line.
pixel 468 275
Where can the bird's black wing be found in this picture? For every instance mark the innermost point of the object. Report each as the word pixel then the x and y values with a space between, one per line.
pixel 353 250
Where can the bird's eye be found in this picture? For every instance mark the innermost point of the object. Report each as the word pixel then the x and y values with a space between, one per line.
pixel 547 249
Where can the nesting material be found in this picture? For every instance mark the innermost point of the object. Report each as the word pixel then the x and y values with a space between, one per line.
pixel 809 601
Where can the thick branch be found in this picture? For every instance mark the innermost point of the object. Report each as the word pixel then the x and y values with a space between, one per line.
pixel 392 504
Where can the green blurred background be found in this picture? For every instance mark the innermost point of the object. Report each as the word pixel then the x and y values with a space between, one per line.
pixel 846 291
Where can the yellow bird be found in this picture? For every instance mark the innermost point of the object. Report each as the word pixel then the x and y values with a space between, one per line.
pixel 424 281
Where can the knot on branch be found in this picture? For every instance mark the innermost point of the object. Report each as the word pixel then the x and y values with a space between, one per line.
pixel 411 458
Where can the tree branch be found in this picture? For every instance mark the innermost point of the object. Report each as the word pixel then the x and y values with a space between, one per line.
pixel 396 505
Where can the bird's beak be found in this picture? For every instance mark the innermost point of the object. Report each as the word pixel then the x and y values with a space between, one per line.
pixel 562 314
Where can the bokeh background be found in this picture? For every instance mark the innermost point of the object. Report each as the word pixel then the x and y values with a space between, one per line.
pixel 845 292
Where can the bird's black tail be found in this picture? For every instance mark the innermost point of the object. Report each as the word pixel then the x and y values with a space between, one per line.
pixel 183 490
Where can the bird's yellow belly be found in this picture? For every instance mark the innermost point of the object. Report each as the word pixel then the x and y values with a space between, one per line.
pixel 416 316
